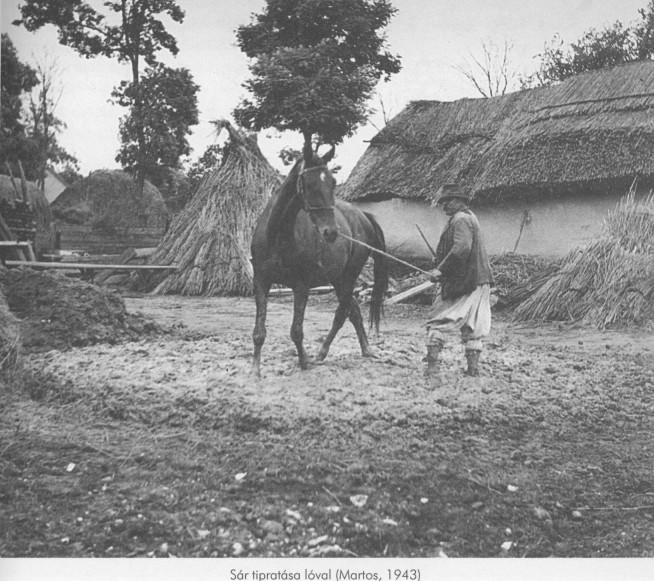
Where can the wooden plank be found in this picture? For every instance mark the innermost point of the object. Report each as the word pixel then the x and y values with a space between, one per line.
pixel 30 253
pixel 14 244
pixel 407 294
pixel 88 266
pixel 283 291
pixel 7 234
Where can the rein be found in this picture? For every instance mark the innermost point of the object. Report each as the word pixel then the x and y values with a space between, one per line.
pixel 386 254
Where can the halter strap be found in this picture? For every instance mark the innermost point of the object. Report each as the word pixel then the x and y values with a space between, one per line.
pixel 299 190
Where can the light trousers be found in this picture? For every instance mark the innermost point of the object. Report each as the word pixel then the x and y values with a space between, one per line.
pixel 471 314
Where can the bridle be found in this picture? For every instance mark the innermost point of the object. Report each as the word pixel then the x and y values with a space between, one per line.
pixel 300 190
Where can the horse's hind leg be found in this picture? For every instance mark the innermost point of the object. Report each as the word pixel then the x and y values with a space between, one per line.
pixel 259 334
pixel 342 312
pixel 300 297
pixel 357 321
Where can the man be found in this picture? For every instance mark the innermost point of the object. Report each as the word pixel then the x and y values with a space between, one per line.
pixel 463 270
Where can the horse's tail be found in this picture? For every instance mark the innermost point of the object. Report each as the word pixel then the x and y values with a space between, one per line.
pixel 380 273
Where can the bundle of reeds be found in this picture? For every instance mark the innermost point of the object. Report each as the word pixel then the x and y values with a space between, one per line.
pixel 210 239
pixel 10 338
pixel 515 274
pixel 608 283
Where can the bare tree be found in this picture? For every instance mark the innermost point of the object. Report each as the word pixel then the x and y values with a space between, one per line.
pixel 43 124
pixel 491 74
pixel 386 114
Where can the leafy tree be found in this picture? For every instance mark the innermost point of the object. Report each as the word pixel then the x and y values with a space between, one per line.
pixel 644 32
pixel 69 173
pixel 139 35
pixel 613 45
pixel 17 79
pixel 170 108
pixel 315 65
pixel 211 158
pixel 29 125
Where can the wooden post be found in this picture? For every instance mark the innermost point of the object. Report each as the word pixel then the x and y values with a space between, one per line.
pixel 13 181
pixel 23 181
pixel 7 234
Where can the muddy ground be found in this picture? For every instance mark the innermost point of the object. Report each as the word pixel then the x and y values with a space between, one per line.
pixel 165 446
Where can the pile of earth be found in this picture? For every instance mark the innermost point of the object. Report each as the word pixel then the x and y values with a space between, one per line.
pixel 58 312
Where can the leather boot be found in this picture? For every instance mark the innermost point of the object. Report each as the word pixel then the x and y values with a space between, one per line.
pixel 472 356
pixel 433 360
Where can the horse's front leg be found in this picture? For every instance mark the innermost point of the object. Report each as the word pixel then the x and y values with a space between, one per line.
pixel 300 298
pixel 259 334
pixel 342 312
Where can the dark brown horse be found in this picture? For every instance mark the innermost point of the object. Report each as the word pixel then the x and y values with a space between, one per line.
pixel 296 243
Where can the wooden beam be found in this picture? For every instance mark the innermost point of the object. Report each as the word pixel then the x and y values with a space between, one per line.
pixel 13 244
pixel 7 235
pixel 89 265
pixel 283 291
pixel 407 294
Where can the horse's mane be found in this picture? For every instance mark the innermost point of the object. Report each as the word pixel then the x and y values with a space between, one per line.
pixel 281 203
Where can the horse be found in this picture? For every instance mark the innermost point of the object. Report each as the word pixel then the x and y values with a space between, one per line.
pixel 296 243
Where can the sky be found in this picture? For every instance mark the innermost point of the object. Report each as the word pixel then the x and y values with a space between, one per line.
pixel 434 38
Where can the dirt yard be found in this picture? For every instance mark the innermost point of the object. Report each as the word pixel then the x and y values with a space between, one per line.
pixel 165 446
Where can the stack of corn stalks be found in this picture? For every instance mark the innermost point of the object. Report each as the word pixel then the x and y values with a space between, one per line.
pixel 210 239
pixel 608 283
pixel 10 338
pixel 516 275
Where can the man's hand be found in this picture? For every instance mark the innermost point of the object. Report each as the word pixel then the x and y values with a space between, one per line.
pixel 435 275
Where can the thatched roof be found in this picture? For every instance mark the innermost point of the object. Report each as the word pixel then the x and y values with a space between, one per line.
pixel 34 195
pixel 108 200
pixel 594 130
pixel 209 240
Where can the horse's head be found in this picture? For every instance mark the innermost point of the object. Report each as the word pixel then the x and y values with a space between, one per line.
pixel 315 186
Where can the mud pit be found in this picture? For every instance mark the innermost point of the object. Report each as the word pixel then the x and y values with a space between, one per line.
pixel 166 446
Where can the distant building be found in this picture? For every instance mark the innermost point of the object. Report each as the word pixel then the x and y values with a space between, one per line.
pixel 53 185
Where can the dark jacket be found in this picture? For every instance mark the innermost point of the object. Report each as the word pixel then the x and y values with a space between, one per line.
pixel 461 256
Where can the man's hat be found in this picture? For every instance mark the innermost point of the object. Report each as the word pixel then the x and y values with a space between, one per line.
pixel 449 191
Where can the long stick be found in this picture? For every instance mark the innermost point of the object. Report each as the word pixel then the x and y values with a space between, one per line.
pixel 433 252
pixel 386 254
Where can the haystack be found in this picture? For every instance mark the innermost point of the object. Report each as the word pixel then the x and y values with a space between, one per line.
pixel 11 194
pixel 608 283
pixel 210 239
pixel 108 200
pixel 10 338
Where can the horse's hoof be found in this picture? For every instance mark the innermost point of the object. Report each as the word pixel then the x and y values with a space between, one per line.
pixel 370 353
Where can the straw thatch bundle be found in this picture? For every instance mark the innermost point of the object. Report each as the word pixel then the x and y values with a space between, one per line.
pixel 210 239
pixel 10 338
pixel 608 283
pixel 593 130
pixel 10 191
pixel 515 274
pixel 108 200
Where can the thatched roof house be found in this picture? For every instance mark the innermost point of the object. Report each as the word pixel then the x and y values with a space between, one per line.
pixel 103 213
pixel 594 131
